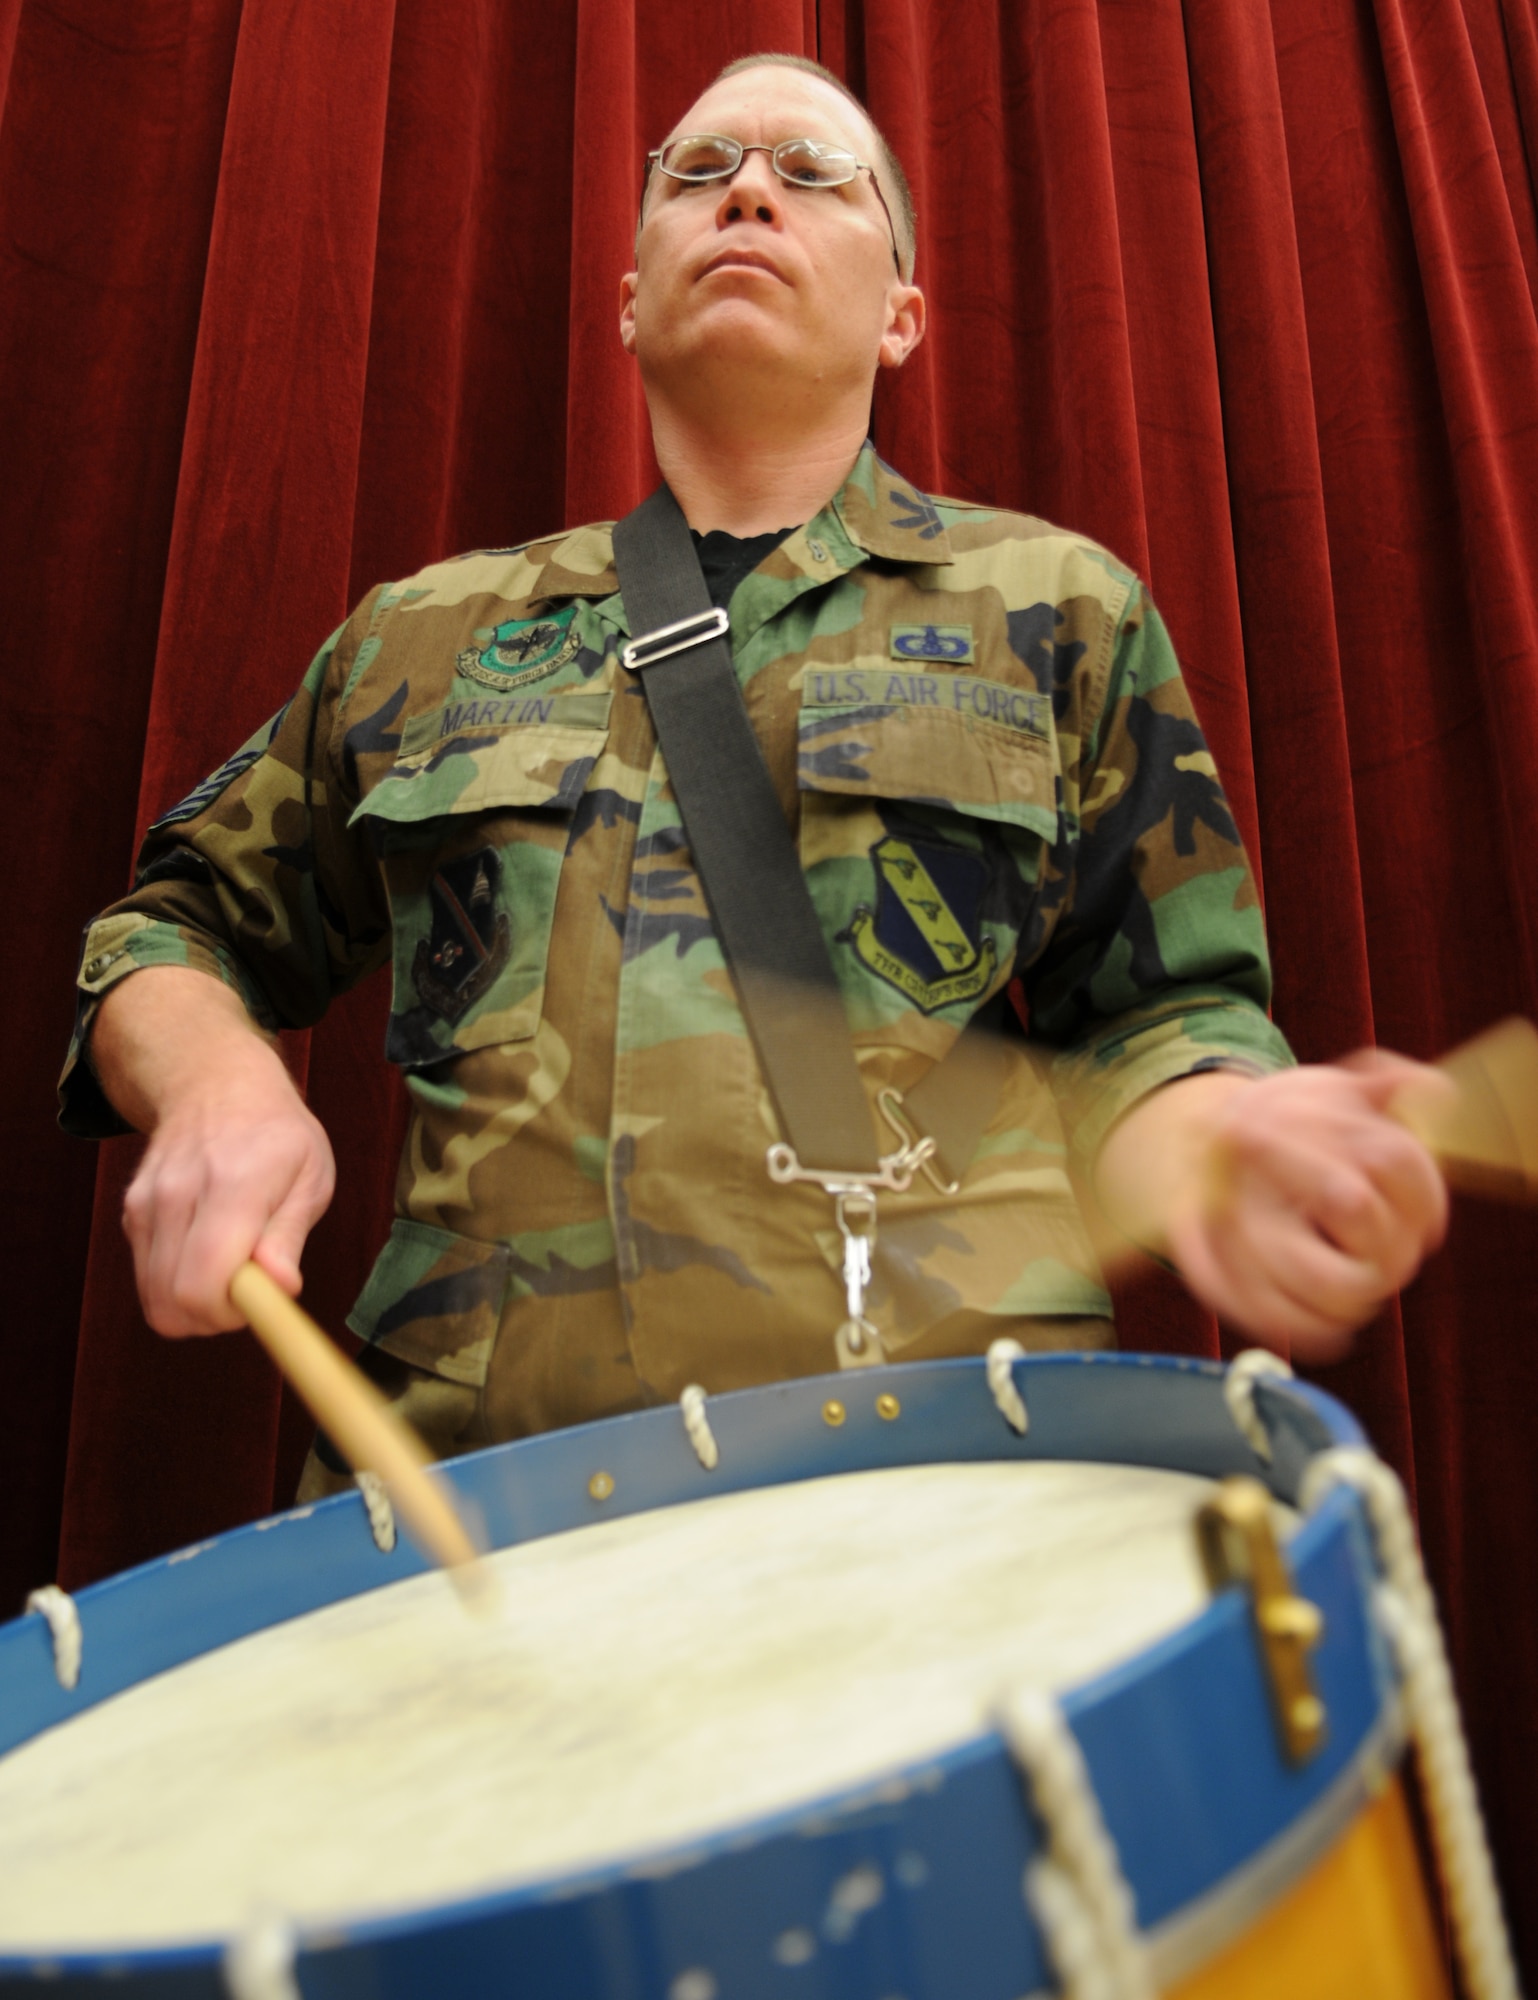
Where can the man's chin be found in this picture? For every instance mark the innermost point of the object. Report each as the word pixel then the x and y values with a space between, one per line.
pixel 736 337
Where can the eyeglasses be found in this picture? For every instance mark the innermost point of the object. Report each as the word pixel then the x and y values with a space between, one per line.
pixel 801 163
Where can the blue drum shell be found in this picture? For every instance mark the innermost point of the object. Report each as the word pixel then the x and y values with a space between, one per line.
pixel 911 1890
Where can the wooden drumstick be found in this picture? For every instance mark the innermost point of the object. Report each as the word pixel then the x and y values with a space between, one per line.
pixel 1483 1133
pixel 360 1423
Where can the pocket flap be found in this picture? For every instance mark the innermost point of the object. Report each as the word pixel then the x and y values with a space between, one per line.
pixel 977 746
pixel 477 755
pixel 435 1299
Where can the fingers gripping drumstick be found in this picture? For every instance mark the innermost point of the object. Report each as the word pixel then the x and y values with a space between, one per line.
pixel 353 1414
pixel 1477 1115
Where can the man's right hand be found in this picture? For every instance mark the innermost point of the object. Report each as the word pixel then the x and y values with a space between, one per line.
pixel 236 1166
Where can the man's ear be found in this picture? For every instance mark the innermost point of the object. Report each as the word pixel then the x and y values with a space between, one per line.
pixel 906 320
pixel 627 286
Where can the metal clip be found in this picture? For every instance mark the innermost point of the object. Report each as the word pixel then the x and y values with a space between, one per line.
pixel 894 1172
pixel 858 1341
pixel 683 632
pixel 895 1112
pixel 1238 1545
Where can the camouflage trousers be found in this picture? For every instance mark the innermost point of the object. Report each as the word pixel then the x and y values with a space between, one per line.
pixel 450 1417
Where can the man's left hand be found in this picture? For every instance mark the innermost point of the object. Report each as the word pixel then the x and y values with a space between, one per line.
pixel 1292 1205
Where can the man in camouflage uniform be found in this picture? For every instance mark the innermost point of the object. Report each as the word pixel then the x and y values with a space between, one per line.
pixel 977 726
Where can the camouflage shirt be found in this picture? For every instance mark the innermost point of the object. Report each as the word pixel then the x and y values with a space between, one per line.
pixel 977 726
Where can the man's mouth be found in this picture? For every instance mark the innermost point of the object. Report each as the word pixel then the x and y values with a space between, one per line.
pixel 743 260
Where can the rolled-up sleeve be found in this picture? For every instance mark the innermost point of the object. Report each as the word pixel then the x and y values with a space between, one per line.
pixel 254 879
pixel 1157 967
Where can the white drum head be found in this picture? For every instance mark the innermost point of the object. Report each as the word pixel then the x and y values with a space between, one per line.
pixel 645 1683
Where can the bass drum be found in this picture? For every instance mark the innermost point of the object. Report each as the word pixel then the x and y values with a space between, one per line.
pixel 840 1689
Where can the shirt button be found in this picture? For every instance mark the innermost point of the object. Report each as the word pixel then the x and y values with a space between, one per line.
pixel 819 553
pixel 94 966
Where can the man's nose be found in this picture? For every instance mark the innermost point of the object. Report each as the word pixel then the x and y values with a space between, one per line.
pixel 752 193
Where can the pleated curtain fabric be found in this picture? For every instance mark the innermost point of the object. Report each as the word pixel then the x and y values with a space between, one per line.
pixel 296 298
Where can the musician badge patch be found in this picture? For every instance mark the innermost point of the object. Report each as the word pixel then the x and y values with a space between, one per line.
pixel 520 650
pixel 471 938
pixel 925 934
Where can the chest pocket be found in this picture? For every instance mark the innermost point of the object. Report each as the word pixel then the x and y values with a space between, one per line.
pixel 927 804
pixel 471 826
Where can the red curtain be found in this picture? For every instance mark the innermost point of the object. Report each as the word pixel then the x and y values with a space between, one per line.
pixel 294 298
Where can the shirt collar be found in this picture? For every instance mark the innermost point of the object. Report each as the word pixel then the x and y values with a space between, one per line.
pixel 887 516
pixel 876 508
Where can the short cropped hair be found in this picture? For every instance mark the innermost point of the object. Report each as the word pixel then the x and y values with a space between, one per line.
pixel 903 217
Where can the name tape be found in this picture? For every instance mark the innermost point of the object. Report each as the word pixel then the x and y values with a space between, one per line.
pixel 953 694
pixel 454 718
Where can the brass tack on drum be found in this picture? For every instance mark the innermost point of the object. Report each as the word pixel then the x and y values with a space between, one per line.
pixel 833 1413
pixel 888 1407
pixel 601 1485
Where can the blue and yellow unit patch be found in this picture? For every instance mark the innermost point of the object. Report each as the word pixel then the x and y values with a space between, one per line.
pixel 925 934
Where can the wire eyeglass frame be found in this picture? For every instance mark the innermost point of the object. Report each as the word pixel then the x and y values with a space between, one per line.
pixel 832 154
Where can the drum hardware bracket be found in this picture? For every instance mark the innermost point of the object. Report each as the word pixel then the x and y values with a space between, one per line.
pixel 1238 1545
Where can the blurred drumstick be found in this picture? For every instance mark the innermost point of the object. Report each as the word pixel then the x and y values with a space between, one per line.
pixel 360 1423
pixel 1484 1132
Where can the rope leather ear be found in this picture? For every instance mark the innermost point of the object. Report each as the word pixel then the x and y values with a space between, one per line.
pixel 57 1609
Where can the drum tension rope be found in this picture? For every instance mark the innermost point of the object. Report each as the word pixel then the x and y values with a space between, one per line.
pixel 768 928
pixel 57 1610
pixel 1408 1612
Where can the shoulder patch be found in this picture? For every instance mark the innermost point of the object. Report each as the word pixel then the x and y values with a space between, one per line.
pixel 520 650
pixel 202 796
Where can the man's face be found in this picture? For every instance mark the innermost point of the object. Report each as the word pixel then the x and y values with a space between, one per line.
pixel 753 278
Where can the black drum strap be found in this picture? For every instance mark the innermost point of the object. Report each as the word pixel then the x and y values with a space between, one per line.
pixel 759 902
